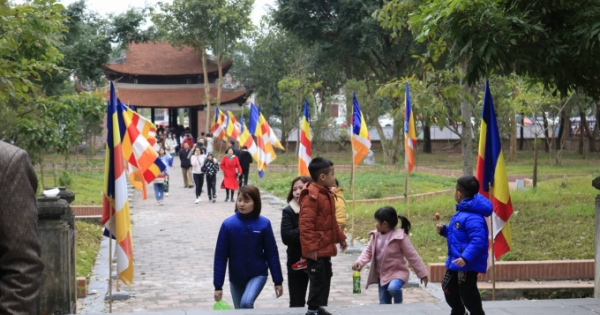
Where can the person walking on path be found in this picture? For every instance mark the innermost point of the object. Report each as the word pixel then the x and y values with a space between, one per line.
pixel 248 260
pixel 387 251
pixel 232 146
pixel 171 145
pixel 230 165
pixel 211 168
pixel 197 163
pixel 209 143
pixel 159 181
pixel 245 159
pixel 467 237
pixel 167 159
pixel 290 235
pixel 186 166
pixel 319 233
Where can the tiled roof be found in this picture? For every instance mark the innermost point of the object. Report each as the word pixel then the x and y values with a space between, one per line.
pixel 160 58
pixel 163 98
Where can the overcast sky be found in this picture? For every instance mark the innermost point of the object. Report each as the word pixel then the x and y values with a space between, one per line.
pixel 119 6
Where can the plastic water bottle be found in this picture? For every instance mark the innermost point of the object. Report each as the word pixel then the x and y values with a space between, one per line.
pixel 356 282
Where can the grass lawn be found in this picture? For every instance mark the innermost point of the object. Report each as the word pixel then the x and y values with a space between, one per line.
pixel 87 185
pixel 87 239
pixel 370 184
pixel 554 221
pixel 572 163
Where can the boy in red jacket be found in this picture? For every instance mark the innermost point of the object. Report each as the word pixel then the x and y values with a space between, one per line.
pixel 319 233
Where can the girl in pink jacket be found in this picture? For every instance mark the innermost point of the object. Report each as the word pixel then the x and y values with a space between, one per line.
pixel 387 251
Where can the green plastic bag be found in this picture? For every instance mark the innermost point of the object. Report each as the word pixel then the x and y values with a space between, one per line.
pixel 221 306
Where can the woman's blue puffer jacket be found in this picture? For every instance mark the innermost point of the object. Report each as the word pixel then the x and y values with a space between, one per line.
pixel 468 234
pixel 248 245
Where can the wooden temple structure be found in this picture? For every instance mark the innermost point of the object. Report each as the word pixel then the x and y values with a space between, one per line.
pixel 157 75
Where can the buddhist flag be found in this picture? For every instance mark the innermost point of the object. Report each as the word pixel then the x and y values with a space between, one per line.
pixel 265 129
pixel 270 135
pixel 491 173
pixel 232 127
pixel 115 205
pixel 257 130
pixel 361 142
pixel 218 127
pixel 247 141
pixel 304 152
pixel 143 162
pixel 410 134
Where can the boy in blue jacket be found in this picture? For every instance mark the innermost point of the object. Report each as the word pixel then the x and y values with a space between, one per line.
pixel 468 244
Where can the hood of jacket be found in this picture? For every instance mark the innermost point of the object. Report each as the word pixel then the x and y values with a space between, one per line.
pixel 478 204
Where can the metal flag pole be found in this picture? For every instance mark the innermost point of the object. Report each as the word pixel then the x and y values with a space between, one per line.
pixel 110 258
pixel 493 255
pixel 352 174
pixel 406 199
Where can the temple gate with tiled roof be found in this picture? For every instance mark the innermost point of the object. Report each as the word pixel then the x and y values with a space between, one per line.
pixel 157 75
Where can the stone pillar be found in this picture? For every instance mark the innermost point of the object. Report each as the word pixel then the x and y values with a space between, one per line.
pixel 58 293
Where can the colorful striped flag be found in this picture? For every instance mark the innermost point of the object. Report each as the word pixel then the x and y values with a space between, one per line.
pixel 218 128
pixel 491 173
pixel 257 130
pixel 115 205
pixel 270 155
pixel 410 134
pixel 247 141
pixel 144 164
pixel 361 142
pixel 271 136
pixel 304 152
pixel 232 127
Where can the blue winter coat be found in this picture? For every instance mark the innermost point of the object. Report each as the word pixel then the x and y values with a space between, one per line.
pixel 467 234
pixel 248 244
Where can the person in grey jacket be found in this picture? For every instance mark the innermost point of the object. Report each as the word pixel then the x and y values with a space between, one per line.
pixel 21 265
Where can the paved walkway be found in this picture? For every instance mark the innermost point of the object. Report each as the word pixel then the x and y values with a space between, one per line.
pixel 174 248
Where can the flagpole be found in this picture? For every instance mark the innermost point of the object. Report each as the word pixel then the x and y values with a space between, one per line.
pixel 352 182
pixel 493 255
pixel 406 199
pixel 110 259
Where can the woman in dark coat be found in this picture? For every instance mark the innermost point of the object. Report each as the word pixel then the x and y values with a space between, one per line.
pixel 290 234
pixel 230 164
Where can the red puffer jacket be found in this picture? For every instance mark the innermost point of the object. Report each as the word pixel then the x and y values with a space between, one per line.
pixel 319 230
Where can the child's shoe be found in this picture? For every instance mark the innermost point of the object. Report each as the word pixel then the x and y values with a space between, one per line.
pixel 301 264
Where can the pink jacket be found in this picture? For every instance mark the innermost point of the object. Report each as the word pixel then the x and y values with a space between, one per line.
pixel 394 266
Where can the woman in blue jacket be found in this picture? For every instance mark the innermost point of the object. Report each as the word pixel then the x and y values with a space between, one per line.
pixel 468 244
pixel 247 243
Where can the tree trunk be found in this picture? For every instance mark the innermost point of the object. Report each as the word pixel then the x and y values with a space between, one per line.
pixel 206 90
pixel 546 133
pixel 562 136
pixel 384 143
pixel 466 137
pixel 535 160
pixel 582 125
pixel 426 138
pixel 42 172
pixel 220 87
pixel 590 134
pixel 522 132
pixel 513 138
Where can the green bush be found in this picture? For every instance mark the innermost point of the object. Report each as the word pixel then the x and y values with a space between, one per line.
pixel 64 179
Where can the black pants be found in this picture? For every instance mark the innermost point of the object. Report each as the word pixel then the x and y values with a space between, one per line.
pixel 227 191
pixel 464 294
pixel 211 182
pixel 198 182
pixel 297 285
pixel 243 179
pixel 319 274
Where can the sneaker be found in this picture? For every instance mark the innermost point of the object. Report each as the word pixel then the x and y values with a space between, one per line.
pixel 214 196
pixel 226 199
pixel 301 264
pixel 166 194
pixel 197 201
pixel 200 199
pixel 323 311
pixel 161 203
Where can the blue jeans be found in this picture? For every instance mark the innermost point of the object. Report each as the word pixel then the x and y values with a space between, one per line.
pixel 244 295
pixel 391 290
pixel 159 191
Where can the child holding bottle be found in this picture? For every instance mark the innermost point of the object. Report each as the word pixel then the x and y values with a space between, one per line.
pixel 387 251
